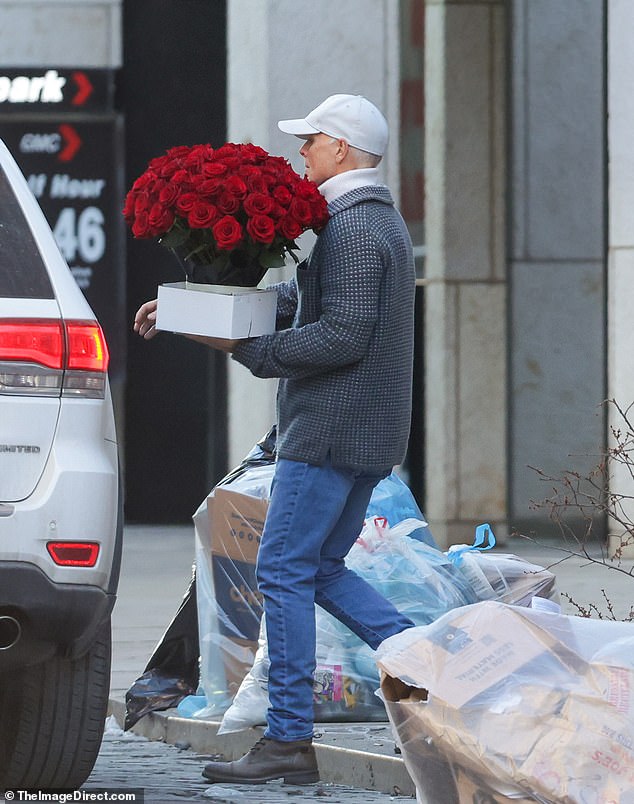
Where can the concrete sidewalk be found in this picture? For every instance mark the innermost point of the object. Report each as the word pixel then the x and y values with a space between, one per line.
pixel 156 569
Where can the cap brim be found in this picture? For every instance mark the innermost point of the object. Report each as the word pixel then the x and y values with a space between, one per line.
pixel 300 128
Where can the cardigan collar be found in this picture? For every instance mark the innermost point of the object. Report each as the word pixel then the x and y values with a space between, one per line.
pixel 372 192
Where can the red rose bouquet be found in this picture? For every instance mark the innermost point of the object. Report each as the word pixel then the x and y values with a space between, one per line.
pixel 231 213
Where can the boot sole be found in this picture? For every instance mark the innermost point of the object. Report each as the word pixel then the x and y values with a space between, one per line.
pixel 310 777
pixel 301 777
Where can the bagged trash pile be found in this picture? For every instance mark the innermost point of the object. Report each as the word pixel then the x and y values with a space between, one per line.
pixel 421 581
pixel 396 553
pixel 495 703
pixel 228 529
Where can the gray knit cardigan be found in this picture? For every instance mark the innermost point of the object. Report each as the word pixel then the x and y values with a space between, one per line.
pixel 344 343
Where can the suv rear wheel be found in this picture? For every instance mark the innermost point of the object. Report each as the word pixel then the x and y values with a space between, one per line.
pixel 53 716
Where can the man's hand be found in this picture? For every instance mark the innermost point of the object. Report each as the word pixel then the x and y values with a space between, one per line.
pixel 145 319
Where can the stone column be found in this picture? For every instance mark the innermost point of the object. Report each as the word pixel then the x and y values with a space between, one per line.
pixel 465 295
pixel 556 249
pixel 621 230
pixel 285 57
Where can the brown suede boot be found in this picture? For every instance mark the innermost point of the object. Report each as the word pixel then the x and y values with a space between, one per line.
pixel 269 759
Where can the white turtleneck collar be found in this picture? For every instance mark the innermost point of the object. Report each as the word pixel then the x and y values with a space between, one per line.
pixel 348 180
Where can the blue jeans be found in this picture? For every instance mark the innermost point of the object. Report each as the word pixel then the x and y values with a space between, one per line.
pixel 315 515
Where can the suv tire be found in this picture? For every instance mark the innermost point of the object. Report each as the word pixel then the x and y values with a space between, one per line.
pixel 53 717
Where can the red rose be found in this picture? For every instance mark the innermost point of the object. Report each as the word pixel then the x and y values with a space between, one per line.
pixel 202 215
pixel 282 195
pixel 227 204
pixel 180 177
pixel 195 158
pixel 158 163
pixel 160 219
pixel 212 169
pixel 144 180
pixel 168 168
pixel 253 152
pixel 320 214
pixel 236 186
pixel 248 170
pixel 141 203
pixel 128 208
pixel 261 228
pixel 228 149
pixel 185 202
pixel 258 204
pixel 289 228
pixel 278 212
pixel 257 183
pixel 209 187
pixel 169 194
pixel 178 151
pixel 141 226
pixel 300 210
pixel 306 190
pixel 227 233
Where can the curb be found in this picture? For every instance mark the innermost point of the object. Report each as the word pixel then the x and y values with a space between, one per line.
pixel 364 770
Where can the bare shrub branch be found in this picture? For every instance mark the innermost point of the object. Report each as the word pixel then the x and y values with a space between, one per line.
pixel 579 502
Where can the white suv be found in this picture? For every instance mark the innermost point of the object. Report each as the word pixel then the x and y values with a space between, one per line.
pixel 60 512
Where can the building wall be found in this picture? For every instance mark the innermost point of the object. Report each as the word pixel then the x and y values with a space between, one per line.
pixel 556 201
pixel 515 131
pixel 65 33
pixel 621 231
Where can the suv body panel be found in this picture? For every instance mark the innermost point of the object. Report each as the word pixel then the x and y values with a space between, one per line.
pixel 66 490
pixel 55 619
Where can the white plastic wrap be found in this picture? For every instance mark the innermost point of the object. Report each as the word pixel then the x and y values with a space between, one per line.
pixel 228 526
pixel 514 703
pixel 422 582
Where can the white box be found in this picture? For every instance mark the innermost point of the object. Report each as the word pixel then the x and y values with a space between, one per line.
pixel 215 310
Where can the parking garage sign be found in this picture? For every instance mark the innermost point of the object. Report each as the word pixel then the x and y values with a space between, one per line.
pixel 61 128
pixel 55 90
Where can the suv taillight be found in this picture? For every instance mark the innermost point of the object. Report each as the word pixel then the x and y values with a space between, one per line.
pixel 44 357
pixel 74 554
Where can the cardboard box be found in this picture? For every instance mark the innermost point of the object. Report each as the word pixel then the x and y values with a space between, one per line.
pixel 215 310
pixel 236 522
pixel 466 656
pixel 502 701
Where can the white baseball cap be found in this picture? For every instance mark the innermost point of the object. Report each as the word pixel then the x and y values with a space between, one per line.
pixel 347 117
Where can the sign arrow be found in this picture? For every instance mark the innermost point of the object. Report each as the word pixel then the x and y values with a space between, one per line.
pixel 84 88
pixel 72 143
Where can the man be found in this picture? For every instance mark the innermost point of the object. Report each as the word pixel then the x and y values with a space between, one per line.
pixel 344 405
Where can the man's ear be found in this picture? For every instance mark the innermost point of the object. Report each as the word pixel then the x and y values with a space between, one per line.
pixel 343 149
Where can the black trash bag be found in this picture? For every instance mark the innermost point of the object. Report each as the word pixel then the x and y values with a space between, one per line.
pixel 173 671
pixel 262 454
